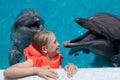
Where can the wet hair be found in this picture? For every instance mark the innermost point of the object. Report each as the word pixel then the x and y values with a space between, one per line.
pixel 40 39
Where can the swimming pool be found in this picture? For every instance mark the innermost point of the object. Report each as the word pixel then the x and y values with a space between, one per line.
pixel 59 17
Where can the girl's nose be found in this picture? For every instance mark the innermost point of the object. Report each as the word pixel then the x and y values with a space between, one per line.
pixel 58 43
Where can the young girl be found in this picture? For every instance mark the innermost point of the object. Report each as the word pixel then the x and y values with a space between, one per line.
pixel 40 56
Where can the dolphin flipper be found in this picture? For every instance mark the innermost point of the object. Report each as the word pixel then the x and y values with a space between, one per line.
pixel 116 61
pixel 74 50
pixel 15 55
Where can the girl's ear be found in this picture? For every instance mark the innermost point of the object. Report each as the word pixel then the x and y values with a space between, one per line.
pixel 44 50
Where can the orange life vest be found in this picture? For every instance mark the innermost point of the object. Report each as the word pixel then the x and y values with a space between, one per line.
pixel 40 60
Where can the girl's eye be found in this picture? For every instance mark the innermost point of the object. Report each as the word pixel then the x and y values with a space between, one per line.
pixel 55 41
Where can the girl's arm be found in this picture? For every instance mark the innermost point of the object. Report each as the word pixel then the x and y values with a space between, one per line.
pixel 26 68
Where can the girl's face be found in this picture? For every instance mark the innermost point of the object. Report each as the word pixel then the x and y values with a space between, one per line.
pixel 53 47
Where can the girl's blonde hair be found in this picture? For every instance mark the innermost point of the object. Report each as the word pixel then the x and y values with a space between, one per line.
pixel 41 38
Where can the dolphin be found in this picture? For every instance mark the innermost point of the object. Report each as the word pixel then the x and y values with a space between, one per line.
pixel 102 37
pixel 27 23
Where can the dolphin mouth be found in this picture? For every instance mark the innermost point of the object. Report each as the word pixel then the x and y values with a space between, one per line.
pixel 34 26
pixel 93 35
pixel 87 38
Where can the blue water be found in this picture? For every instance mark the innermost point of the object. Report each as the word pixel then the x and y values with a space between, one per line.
pixel 59 17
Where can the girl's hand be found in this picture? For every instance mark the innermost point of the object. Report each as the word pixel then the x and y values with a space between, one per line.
pixel 71 69
pixel 47 73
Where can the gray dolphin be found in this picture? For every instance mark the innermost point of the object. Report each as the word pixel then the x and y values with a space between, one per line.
pixel 102 38
pixel 27 23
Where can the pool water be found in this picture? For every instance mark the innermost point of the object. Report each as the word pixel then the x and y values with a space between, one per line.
pixel 59 17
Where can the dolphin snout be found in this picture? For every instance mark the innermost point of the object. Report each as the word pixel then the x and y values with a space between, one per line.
pixel 77 20
pixel 66 43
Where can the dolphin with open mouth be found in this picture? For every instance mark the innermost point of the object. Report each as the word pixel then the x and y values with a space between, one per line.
pixel 27 23
pixel 102 37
